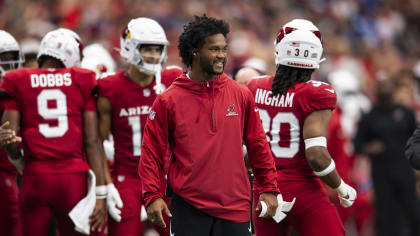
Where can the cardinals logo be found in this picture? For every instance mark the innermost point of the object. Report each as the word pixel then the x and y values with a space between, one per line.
pixel 231 111
pixel 125 33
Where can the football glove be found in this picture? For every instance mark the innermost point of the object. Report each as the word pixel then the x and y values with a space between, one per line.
pixel 346 194
pixel 113 201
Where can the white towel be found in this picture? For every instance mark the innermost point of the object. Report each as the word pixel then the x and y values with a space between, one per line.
pixel 283 206
pixel 143 213
pixel 81 212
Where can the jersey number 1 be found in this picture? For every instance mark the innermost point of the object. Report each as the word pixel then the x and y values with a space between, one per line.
pixel 134 122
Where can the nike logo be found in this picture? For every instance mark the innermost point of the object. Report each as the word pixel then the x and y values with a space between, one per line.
pixel 330 90
pixel 256 109
pixel 170 228
pixel 250 228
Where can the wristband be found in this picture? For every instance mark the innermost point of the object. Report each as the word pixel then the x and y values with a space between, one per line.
pixel 327 170
pixel 342 189
pixel 101 192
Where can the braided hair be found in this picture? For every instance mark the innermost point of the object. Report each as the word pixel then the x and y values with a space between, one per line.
pixel 287 76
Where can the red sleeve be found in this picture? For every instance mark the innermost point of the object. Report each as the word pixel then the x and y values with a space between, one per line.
pixel 9 87
pixel 259 153
pixel 153 151
pixel 321 96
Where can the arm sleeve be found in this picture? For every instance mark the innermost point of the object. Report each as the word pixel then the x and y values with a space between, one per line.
pixel 10 92
pixel 259 153
pixel 153 151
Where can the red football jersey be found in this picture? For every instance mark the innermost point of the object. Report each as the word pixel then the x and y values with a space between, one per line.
pixel 131 104
pixel 283 117
pixel 51 103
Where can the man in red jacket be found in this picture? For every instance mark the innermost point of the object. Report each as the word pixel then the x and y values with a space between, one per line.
pixel 204 117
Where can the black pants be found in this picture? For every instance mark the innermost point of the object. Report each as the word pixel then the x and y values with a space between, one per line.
pixel 188 221
pixel 397 208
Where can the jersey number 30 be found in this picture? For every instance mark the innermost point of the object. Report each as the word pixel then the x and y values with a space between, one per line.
pixel 272 128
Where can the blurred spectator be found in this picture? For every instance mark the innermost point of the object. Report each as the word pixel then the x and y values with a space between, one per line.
pixel 381 136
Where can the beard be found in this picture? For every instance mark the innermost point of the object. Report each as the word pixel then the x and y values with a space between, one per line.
pixel 208 67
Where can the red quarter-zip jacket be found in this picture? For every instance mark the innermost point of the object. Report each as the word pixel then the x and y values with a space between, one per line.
pixel 204 124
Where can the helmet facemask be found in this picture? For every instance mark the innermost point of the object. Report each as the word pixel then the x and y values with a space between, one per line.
pixel 150 68
pixel 10 60
pixel 11 56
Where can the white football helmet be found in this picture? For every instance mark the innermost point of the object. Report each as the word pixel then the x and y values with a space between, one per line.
pixel 9 44
pixel 70 32
pixel 141 31
pixel 62 45
pixel 138 32
pixel 98 59
pixel 299 44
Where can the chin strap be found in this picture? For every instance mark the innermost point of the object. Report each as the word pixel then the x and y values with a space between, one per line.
pixel 159 87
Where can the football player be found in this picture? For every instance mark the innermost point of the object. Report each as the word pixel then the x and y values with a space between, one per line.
pixel 295 112
pixel 124 103
pixel 11 57
pixel 98 59
pixel 54 109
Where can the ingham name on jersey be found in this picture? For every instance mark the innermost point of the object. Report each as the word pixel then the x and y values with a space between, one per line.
pixel 264 97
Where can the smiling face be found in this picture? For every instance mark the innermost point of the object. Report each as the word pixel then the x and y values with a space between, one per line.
pixel 213 55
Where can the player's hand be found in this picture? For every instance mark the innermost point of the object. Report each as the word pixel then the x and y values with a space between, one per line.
pixel 98 217
pixel 154 212
pixel 8 136
pixel 113 200
pixel 270 200
pixel 346 194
